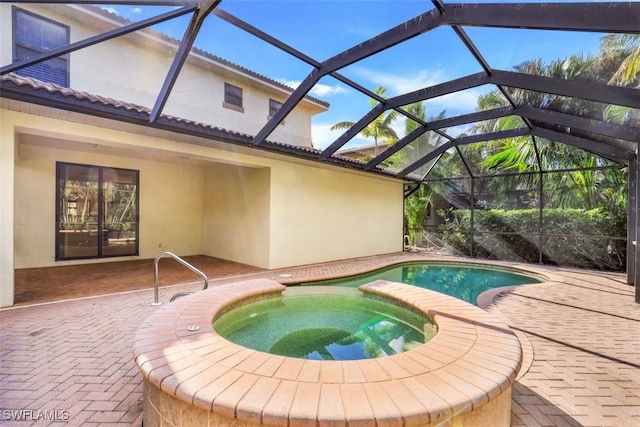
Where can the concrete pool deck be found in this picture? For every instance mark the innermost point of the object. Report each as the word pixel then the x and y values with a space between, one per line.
pixel 74 357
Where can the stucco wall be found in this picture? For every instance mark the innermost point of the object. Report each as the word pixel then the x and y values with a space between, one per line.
pixel 133 68
pixel 320 215
pixel 196 84
pixel 6 51
pixel 170 210
pixel 288 214
pixel 6 213
pixel 236 214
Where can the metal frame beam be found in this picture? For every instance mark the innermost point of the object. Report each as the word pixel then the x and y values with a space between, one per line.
pixel 397 146
pixel 398 34
pixel 233 20
pixel 616 154
pixel 632 217
pixel 463 141
pixel 597 145
pixel 600 17
pixel 113 2
pixel 398 101
pixel 199 15
pixel 68 102
pixel 581 89
pixel 439 124
pixel 535 172
pixel 600 127
pixel 292 101
pixel 634 210
pixel 456 85
pixel 353 131
pixel 392 37
pixel 594 17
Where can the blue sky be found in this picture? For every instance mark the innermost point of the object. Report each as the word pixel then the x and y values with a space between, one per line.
pixel 322 29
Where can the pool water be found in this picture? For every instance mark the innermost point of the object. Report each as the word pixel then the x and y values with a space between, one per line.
pixel 325 327
pixel 463 281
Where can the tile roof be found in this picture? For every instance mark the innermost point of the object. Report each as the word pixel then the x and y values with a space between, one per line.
pixel 50 89
pixel 64 97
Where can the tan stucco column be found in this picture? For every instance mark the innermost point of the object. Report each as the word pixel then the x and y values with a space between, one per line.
pixel 7 165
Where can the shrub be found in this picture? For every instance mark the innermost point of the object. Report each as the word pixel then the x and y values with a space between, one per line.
pixel 572 237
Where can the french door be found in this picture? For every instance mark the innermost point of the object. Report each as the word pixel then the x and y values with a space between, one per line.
pixel 96 211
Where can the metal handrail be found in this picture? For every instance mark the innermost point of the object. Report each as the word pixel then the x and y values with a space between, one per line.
pixel 156 280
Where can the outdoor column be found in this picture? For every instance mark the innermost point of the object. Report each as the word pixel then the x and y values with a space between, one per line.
pixel 631 219
pixel 7 166
pixel 633 255
pixel 540 217
pixel 633 213
pixel 472 225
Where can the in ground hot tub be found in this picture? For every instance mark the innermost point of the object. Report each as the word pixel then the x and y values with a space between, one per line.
pixel 194 376
pixel 325 323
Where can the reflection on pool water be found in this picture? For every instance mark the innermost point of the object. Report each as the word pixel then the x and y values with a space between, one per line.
pixel 326 326
pixel 463 281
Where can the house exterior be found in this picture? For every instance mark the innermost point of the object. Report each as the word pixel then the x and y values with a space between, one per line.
pixel 86 188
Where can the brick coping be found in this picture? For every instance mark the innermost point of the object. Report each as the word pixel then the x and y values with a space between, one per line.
pixel 407 258
pixel 473 359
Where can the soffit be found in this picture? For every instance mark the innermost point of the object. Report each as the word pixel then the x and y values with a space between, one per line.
pixel 35 137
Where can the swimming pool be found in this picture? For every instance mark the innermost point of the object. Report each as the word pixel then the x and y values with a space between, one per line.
pixel 462 281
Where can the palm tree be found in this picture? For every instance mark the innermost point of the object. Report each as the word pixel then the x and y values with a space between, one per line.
pixel 628 45
pixel 627 73
pixel 426 142
pixel 418 205
pixel 379 129
pixel 575 189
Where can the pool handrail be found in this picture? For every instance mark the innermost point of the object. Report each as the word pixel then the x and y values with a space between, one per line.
pixel 156 279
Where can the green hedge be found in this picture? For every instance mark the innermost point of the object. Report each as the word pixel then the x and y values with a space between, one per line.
pixel 561 249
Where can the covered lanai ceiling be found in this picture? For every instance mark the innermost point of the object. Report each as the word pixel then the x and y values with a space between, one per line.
pixel 464 24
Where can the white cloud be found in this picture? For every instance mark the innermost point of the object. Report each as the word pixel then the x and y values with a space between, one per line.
pixel 327 90
pixel 464 101
pixel 362 31
pixel 397 84
pixel 123 11
pixel 319 90
pixel 456 103
pixel 459 102
pixel 322 135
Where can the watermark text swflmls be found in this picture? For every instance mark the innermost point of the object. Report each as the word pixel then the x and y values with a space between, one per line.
pixel 34 415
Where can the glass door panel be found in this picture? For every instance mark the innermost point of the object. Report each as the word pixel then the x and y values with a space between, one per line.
pixel 77 197
pixel 120 209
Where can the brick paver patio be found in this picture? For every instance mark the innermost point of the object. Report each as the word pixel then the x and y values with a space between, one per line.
pixel 73 358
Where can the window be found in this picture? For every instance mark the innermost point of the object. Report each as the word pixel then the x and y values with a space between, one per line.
pixel 32 35
pixel 96 211
pixel 274 106
pixel 233 97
